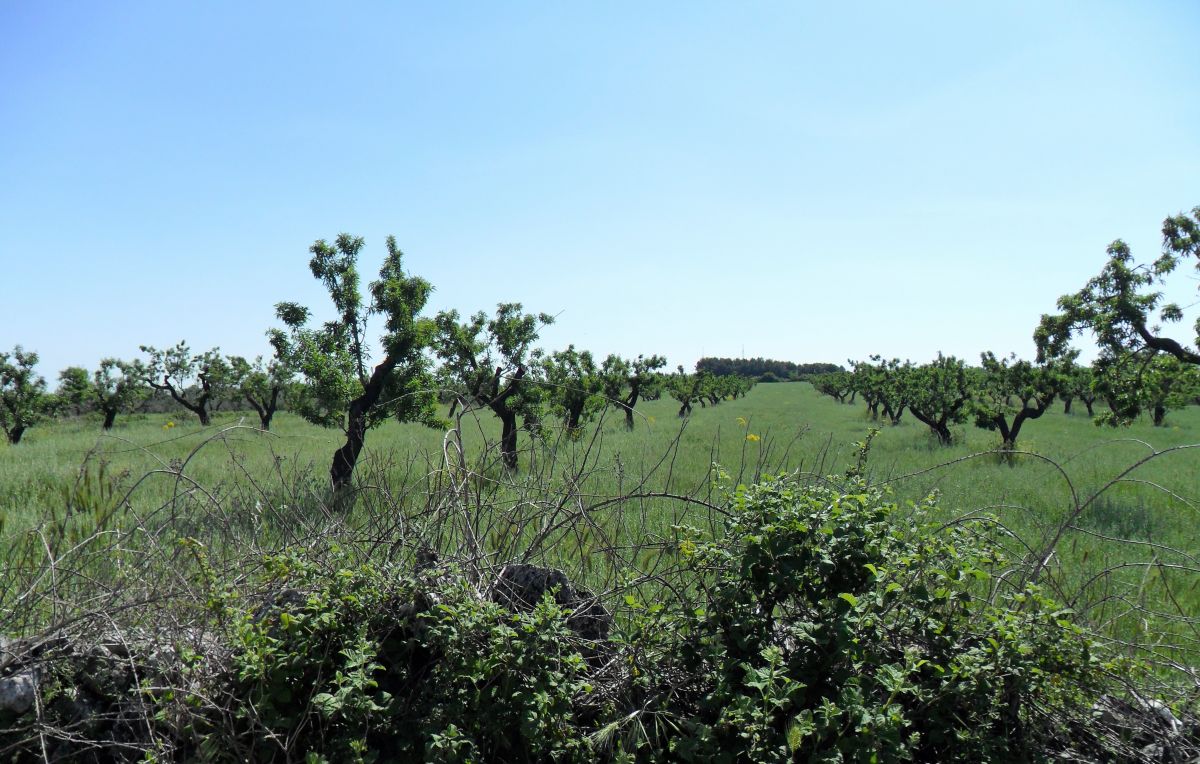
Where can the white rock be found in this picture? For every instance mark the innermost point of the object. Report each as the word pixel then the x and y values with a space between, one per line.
pixel 17 693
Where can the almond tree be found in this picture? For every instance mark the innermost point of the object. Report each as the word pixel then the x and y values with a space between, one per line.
pixel 1157 384
pixel 686 388
pixel 114 387
pixel 572 386
pixel 262 383
pixel 623 381
pixel 1122 307
pixel 938 394
pixel 23 397
pixel 1005 383
pixel 836 384
pixel 485 362
pixel 340 387
pixel 195 382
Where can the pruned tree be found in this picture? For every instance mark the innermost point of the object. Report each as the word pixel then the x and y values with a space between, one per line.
pixel 1122 306
pixel 263 382
pixel 687 388
pixel 115 386
pixel 1011 392
pixel 74 387
pixel 837 385
pixel 195 382
pixel 572 386
pixel 485 362
pixel 938 394
pixel 340 387
pixel 882 383
pixel 23 397
pixel 623 381
pixel 1130 385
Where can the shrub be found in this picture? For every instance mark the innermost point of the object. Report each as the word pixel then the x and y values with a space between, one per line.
pixel 836 629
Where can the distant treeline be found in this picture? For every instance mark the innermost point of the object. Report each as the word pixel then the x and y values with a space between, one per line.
pixel 764 369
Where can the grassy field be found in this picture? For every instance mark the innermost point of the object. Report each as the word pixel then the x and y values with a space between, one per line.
pixel 1109 515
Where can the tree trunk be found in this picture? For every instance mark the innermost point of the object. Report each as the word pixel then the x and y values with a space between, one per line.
pixel 628 405
pixel 266 409
pixel 508 438
pixel 1160 414
pixel 1067 405
pixel 110 417
pixel 574 412
pixel 937 426
pixel 14 435
pixel 685 409
pixel 346 457
pixel 1088 403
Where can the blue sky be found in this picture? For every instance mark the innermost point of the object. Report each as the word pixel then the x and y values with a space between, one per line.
pixel 789 180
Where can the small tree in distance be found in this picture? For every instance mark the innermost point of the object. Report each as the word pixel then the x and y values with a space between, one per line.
pixel 485 362
pixel 572 386
pixel 1004 381
pixel 23 398
pixel 938 393
pixel 340 388
pixel 193 381
pixel 624 380
pixel 112 388
pixel 262 383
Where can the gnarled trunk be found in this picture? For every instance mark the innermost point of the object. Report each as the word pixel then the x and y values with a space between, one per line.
pixel 346 457
pixel 110 417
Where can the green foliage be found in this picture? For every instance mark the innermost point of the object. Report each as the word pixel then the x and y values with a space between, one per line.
pixel 836 385
pixel 1119 305
pixel 334 359
pixel 364 663
pixel 938 392
pixel 572 386
pixel 115 386
pixel 491 363
pixel 263 383
pixel 1131 385
pixel 883 383
pixel 23 397
pixel 483 356
pixel 1011 391
pixel 624 380
pixel 837 629
pixel 194 381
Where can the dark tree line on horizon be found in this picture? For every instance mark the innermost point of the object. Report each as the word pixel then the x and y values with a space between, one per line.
pixel 758 368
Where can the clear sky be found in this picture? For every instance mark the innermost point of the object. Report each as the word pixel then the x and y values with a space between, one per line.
pixel 800 181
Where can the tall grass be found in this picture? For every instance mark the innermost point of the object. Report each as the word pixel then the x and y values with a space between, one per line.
pixel 1103 518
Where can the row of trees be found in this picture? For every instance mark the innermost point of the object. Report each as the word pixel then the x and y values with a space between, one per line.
pixel 1139 369
pixel 1001 394
pixel 336 374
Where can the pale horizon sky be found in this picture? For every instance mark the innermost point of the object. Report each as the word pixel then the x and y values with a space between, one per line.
pixel 787 180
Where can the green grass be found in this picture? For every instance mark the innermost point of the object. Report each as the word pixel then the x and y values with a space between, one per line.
pixel 1128 563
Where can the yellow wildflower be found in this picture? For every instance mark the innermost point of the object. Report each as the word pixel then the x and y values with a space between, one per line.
pixel 753 438
pixel 742 421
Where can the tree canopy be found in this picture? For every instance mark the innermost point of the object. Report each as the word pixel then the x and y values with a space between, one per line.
pixel 1122 306
pixel 340 387
pixel 23 398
